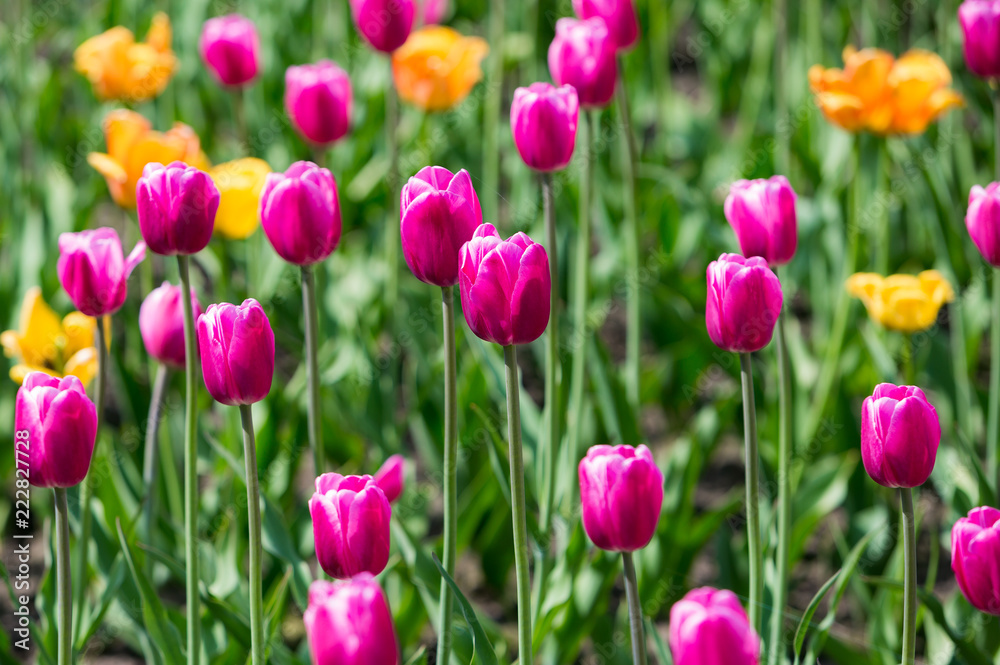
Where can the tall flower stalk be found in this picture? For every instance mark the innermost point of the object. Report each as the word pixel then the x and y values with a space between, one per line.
pixel 633 332
pixel 639 656
pixel 150 452
pixel 450 470
pixel 993 414
pixel 256 550
pixel 752 491
pixel 64 584
pixel 781 555
pixel 310 312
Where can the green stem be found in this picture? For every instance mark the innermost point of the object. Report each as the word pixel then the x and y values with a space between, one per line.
pixel 64 584
pixel 909 367
pixel 256 552
pixel 552 364
pixel 785 428
pixel 634 611
pixel 781 133
pixel 993 416
pixel 239 111
pixel 190 469
pixel 753 491
pixel 909 576
pixel 392 228
pixel 520 517
pixel 150 452
pixel 311 315
pixel 633 331
pixel 450 471
pixel 491 116
pixel 881 232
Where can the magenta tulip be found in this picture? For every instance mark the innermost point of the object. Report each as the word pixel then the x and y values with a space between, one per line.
pixel 439 212
pixel 505 287
pixel 583 55
pixel 621 493
pixel 900 433
pixel 385 24
pixel 744 301
pixel 348 623
pixel 391 477
pixel 55 424
pixel 983 221
pixel 543 120
pixel 230 48
pixel 980 21
pixel 300 213
pixel 318 99
pixel 434 11
pixel 618 14
pixel 350 516
pixel 237 352
pixel 710 627
pixel 975 558
pixel 94 271
pixel 161 323
pixel 176 206
pixel 762 214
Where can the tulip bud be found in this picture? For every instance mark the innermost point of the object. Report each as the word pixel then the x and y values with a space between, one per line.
pixel 980 21
pixel 161 323
pixel 762 214
pixel 975 551
pixel 55 423
pixel 300 213
pixel 744 301
pixel 543 120
pixel 176 206
pixel 94 271
pixel 983 221
pixel 319 101
pixel 385 24
pixel 230 48
pixel 350 517
pixel 439 212
pixel 348 623
pixel 710 627
pixel 621 493
pixel 900 433
pixel 237 352
pixel 433 11
pixel 391 477
pixel 618 14
pixel 583 55
pixel 505 286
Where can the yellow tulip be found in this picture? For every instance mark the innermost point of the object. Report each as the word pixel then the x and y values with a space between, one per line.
pixel 118 67
pixel 906 303
pixel 132 144
pixel 437 67
pixel 878 93
pixel 240 183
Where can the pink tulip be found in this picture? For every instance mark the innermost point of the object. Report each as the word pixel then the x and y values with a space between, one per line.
pixel 975 558
pixel 176 206
pixel 161 323
pixel 900 433
pixel 434 11
pixel 439 212
pixel 94 271
pixel 55 424
pixel 744 301
pixel 237 352
pixel 350 516
pixel 543 120
pixel 385 24
pixel 710 627
pixel 583 55
pixel 230 48
pixel 300 213
pixel 391 477
pixel 983 221
pixel 618 14
pixel 319 101
pixel 762 214
pixel 505 287
pixel 980 21
pixel 348 623
pixel 621 493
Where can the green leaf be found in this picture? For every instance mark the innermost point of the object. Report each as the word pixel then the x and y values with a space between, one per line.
pixel 480 643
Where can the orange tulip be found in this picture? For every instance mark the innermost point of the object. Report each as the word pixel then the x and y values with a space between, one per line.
pixel 132 144
pixel 883 95
pixel 437 67
pixel 121 68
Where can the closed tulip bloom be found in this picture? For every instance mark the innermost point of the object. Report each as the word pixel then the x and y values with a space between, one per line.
pixel 744 301
pixel 240 183
pixel 94 271
pixel 762 214
pixel 349 623
pixel 621 493
pixel 905 303
pixel 618 14
pixel 505 286
pixel 438 67
pixel 983 221
pixel 57 424
pixel 391 477
pixel 583 55
pixel 900 433
pixel 300 213
pixel 710 627
pixel 543 120
pixel 350 516
pixel 385 24
pixel 161 323
pixel 318 99
pixel 434 11
pixel 975 551
pixel 439 212
pixel 237 352
pixel 980 21
pixel 177 204
pixel 230 48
